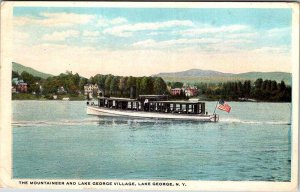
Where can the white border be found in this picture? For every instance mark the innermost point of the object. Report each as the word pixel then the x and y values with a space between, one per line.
pixel 5 90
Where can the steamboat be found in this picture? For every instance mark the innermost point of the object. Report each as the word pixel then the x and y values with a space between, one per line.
pixel 151 106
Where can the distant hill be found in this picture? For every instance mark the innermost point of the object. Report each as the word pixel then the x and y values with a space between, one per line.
pixel 194 73
pixel 210 76
pixel 277 76
pixel 20 68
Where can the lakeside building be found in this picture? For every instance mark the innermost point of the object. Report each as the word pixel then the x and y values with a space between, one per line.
pixel 18 86
pixel 191 91
pixel 187 90
pixel 21 87
pixel 176 91
pixel 91 89
pixel 61 90
pixel 41 88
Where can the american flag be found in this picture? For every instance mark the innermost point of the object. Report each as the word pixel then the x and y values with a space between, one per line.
pixel 224 106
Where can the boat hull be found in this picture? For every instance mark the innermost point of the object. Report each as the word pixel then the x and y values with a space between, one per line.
pixel 105 112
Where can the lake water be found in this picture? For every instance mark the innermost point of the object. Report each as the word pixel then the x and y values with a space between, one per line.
pixel 57 139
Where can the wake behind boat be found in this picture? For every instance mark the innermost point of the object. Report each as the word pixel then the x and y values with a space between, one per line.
pixel 151 106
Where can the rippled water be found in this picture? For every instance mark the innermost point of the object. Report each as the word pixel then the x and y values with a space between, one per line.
pixel 56 139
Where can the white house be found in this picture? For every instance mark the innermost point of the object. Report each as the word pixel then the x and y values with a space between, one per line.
pixel 61 90
pixel 91 89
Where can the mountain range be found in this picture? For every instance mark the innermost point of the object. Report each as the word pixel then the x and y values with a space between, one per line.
pixel 196 75
pixel 20 68
pixel 190 76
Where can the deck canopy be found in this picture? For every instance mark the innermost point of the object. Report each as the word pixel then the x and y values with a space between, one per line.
pixel 153 103
pixel 153 97
pixel 117 99
pixel 178 102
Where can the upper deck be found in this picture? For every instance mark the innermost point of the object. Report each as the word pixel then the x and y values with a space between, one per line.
pixel 153 103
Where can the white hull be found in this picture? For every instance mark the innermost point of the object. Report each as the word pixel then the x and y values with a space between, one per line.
pixel 101 111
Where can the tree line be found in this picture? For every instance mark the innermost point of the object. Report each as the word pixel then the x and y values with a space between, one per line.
pixel 120 86
pixel 261 90
pixel 110 85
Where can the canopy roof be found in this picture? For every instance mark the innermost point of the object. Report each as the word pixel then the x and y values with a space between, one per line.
pixel 118 99
pixel 178 102
pixel 153 96
pixel 168 102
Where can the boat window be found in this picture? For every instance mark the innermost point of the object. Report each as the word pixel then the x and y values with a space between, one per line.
pixel 129 104
pixel 196 109
pixel 192 109
pixel 177 108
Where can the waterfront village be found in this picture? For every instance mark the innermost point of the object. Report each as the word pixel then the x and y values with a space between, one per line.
pixel 69 86
pixel 92 90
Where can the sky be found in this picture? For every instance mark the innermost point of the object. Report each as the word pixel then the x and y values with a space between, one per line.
pixel 147 41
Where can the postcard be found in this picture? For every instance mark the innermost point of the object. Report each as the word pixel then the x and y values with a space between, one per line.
pixel 150 95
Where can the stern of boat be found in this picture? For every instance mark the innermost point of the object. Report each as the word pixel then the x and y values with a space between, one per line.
pixel 215 118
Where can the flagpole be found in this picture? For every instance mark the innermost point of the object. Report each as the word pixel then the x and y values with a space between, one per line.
pixel 216 106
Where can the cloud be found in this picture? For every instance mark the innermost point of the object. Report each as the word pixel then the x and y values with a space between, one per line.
pixel 213 29
pixel 104 22
pixel 54 19
pixel 128 29
pixel 228 48
pixel 150 43
pixel 20 37
pixel 60 36
pixel 118 20
pixel 236 41
pixel 87 33
pixel 204 44
pixel 156 33
pixel 278 32
pixel 241 35
pixel 273 50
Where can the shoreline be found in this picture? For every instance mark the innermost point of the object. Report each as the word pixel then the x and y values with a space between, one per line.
pixel 27 96
pixel 31 97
